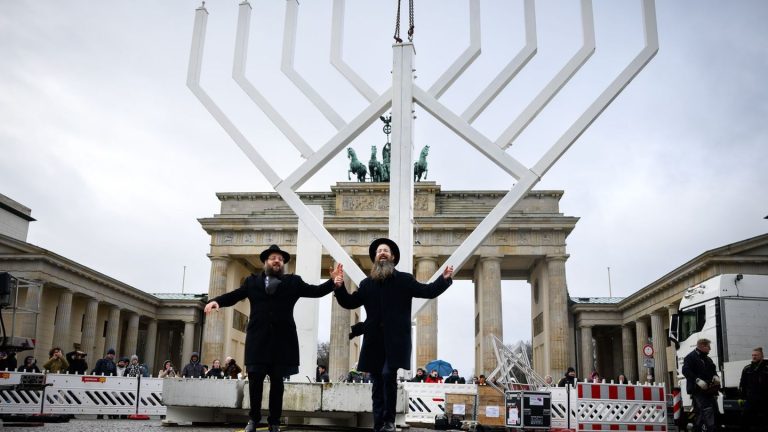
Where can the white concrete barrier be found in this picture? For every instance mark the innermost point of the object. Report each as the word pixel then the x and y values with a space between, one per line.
pixel 209 393
pixel 303 397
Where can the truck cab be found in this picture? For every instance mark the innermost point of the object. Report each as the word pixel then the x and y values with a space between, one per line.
pixel 731 310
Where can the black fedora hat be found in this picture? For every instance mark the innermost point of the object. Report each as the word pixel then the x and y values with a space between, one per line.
pixel 392 246
pixel 274 249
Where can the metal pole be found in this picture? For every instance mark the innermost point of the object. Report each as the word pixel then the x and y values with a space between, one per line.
pixel 401 178
pixel 183 279
pixel 609 283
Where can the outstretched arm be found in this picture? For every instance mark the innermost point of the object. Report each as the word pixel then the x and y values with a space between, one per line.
pixel 433 289
pixel 351 301
pixel 336 280
pixel 228 299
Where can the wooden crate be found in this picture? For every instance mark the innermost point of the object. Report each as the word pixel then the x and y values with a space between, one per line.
pixel 468 401
pixel 490 406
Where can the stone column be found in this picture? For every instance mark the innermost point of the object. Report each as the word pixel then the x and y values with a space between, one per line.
pixel 659 348
pixel 149 351
pixel 88 341
pixel 131 335
pixel 628 353
pixel 426 320
pixel 671 357
pixel 213 331
pixel 31 303
pixel 488 307
pixel 557 295
pixel 338 351
pixel 163 344
pixel 63 322
pixel 641 331
pixel 587 352
pixel 188 346
pixel 113 328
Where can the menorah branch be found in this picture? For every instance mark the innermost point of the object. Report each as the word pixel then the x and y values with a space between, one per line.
pixel 557 82
pixel 238 74
pixel 510 70
pixel 289 52
pixel 337 60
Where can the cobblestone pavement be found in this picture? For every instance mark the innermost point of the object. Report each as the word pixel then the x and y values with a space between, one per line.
pixel 88 425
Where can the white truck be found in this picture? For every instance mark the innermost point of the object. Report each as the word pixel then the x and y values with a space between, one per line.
pixel 731 310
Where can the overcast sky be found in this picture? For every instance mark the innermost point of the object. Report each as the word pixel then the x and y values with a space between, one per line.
pixel 100 137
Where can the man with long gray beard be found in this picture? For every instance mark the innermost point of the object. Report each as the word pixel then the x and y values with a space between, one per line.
pixel 387 295
pixel 271 342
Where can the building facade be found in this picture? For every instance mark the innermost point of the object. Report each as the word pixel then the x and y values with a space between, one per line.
pixel 62 303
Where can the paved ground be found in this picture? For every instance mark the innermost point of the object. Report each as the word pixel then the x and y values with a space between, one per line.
pixel 88 425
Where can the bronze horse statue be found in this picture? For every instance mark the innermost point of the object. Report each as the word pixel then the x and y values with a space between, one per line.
pixel 420 166
pixel 355 166
pixel 375 167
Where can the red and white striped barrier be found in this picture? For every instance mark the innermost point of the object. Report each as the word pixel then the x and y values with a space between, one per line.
pixel 677 404
pixel 620 407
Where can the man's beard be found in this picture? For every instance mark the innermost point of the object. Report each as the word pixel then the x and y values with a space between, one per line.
pixel 382 269
pixel 271 272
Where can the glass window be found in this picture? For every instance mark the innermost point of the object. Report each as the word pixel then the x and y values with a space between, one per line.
pixel 692 321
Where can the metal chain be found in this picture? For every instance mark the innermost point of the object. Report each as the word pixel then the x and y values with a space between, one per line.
pixel 397 24
pixel 410 19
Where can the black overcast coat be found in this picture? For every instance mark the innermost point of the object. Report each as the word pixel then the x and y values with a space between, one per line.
pixel 697 364
pixel 388 317
pixel 271 335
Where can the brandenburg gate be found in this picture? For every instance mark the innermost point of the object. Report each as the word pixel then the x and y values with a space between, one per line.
pixel 528 245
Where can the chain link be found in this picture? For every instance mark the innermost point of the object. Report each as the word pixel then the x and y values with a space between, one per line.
pixel 397 24
pixel 410 20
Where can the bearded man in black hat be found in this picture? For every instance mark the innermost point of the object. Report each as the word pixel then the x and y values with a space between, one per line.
pixel 387 295
pixel 271 342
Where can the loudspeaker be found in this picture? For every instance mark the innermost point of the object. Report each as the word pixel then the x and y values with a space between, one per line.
pixel 6 282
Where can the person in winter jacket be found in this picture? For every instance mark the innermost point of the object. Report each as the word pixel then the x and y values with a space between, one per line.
pixel 569 379
pixel 420 376
pixel 754 389
pixel 321 374
pixel 122 364
pixel 193 369
pixel 77 363
pixel 29 365
pixel 702 383
pixel 167 371
pixel 106 366
pixel 387 295
pixel 455 378
pixel 215 371
pixel 135 369
pixel 231 369
pixel 434 378
pixel 7 361
pixel 57 363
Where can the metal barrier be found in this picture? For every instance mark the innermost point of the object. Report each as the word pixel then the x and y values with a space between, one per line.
pixel 563 407
pixel 621 407
pixel 426 400
pixel 83 394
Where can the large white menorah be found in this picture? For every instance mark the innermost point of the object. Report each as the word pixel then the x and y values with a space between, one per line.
pixel 400 97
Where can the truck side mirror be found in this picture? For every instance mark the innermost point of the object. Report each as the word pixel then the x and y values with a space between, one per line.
pixel 674 320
